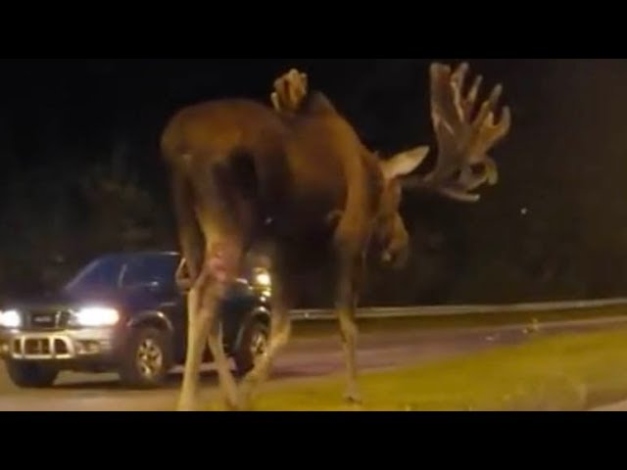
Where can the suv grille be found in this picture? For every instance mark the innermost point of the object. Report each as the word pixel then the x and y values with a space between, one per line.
pixel 46 319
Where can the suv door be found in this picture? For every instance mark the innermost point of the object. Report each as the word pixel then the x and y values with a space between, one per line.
pixel 156 272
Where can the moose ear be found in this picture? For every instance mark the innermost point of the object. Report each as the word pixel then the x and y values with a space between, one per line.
pixel 404 163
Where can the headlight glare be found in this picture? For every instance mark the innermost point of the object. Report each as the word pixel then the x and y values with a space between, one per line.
pixel 96 316
pixel 10 319
pixel 263 279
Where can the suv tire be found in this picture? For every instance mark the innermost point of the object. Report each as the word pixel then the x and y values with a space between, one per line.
pixel 253 342
pixel 31 375
pixel 147 358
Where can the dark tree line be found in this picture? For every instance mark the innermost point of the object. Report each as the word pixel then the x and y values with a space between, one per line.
pixel 81 174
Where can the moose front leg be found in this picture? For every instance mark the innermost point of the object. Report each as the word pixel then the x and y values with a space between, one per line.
pixel 280 330
pixel 349 278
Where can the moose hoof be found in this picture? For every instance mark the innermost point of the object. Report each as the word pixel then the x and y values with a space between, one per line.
pixel 245 400
pixel 353 398
pixel 230 406
pixel 240 406
pixel 186 405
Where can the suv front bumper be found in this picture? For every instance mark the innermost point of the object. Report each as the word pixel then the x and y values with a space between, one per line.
pixel 75 345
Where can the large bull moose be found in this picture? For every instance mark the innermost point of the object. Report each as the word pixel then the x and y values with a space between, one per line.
pixel 295 180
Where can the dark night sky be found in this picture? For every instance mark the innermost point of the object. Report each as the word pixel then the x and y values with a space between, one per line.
pixel 63 108
pixel 86 104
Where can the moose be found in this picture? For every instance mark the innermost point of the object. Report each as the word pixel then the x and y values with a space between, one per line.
pixel 295 181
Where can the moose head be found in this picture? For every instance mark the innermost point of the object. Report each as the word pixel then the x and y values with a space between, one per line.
pixel 464 134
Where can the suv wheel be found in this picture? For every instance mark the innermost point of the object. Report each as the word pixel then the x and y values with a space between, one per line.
pixel 253 344
pixel 31 375
pixel 147 359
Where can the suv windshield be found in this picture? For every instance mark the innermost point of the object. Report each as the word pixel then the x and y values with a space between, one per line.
pixel 123 271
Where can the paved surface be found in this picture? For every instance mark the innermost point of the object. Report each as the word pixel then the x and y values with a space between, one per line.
pixel 304 357
pixel 620 406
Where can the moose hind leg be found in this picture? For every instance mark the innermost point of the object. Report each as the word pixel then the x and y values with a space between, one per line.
pixel 197 330
pixel 223 261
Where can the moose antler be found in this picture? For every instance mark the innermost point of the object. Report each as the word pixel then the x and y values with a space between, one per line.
pixel 289 91
pixel 463 142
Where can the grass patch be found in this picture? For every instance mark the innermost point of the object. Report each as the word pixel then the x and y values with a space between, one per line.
pixel 366 325
pixel 566 372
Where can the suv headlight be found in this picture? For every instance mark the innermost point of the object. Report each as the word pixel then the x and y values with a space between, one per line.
pixel 95 317
pixel 263 279
pixel 10 319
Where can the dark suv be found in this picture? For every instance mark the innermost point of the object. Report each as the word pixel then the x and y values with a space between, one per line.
pixel 125 313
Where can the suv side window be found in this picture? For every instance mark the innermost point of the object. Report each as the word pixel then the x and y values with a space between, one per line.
pixel 150 270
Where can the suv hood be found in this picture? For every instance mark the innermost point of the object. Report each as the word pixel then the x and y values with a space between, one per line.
pixel 62 300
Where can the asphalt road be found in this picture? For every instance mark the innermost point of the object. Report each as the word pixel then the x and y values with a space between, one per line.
pixel 303 357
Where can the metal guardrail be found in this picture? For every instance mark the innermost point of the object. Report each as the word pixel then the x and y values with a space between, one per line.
pixel 452 310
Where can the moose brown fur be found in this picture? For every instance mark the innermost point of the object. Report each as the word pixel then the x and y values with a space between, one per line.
pixel 296 180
